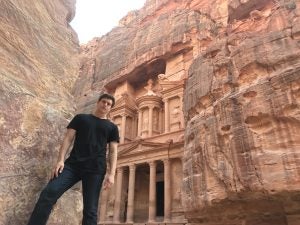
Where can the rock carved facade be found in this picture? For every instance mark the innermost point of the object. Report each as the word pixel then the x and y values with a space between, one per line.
pixel 238 61
pixel 151 124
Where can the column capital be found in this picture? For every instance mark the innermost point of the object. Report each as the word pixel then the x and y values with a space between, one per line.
pixel 152 163
pixel 120 169
pixel 166 161
pixel 132 166
pixel 165 100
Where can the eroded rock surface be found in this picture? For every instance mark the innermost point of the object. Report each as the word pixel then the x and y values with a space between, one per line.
pixel 39 64
pixel 242 158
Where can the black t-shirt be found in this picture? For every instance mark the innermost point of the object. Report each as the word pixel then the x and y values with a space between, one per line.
pixel 90 144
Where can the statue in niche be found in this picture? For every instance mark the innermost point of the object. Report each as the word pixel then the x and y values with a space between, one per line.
pixel 149 87
pixel 155 120
pixel 128 128
pixel 175 118
pixel 162 77
pixel 175 113
pixel 145 121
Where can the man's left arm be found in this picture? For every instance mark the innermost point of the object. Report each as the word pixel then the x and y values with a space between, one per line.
pixel 112 157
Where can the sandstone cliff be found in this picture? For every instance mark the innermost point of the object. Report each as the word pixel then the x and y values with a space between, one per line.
pixel 242 156
pixel 39 64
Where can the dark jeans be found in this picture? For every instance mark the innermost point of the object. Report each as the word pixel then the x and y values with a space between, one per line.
pixel 91 185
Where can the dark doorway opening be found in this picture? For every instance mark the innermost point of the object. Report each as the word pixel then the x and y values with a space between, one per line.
pixel 160 198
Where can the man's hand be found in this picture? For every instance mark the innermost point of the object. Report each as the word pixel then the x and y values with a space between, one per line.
pixel 67 141
pixel 108 181
pixel 57 169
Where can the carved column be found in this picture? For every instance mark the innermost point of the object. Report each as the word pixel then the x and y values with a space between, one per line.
pixel 181 113
pixel 152 192
pixel 139 124
pixel 150 126
pixel 134 130
pixel 167 191
pixel 103 206
pixel 117 205
pixel 167 116
pixel 146 104
pixel 123 127
pixel 131 187
pixel 161 121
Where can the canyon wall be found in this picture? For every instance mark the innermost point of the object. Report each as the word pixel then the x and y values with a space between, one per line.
pixel 39 65
pixel 242 158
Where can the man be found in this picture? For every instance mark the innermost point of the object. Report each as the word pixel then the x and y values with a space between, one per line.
pixel 87 162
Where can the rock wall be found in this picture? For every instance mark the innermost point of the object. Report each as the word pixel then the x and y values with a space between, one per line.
pixel 242 158
pixel 39 65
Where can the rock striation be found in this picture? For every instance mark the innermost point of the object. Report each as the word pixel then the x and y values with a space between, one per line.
pixel 242 156
pixel 39 65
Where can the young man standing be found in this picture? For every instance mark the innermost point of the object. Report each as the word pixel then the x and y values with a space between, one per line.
pixel 87 162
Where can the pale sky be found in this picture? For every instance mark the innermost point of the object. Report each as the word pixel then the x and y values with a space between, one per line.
pixel 95 18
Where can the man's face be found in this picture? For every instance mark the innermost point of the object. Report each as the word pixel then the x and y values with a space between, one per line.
pixel 104 105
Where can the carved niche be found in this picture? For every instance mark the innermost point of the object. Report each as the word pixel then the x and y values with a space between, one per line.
pixel 124 115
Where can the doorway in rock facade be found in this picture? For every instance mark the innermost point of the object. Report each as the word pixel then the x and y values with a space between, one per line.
pixel 160 199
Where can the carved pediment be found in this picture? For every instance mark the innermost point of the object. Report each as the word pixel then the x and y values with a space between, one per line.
pixel 141 146
pixel 125 102
pixel 167 85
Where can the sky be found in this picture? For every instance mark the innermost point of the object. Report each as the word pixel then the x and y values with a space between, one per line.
pixel 95 18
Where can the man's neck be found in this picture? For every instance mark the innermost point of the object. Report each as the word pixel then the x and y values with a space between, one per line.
pixel 100 116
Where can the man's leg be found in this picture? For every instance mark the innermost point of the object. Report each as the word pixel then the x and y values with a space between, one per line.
pixel 91 185
pixel 48 197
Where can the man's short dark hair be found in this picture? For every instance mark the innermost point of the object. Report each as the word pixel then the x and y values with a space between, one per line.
pixel 108 96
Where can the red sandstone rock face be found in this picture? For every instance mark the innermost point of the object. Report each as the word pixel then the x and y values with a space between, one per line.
pixel 38 68
pixel 242 107
pixel 160 29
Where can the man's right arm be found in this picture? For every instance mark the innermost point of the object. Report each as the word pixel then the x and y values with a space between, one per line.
pixel 67 141
pixel 113 155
